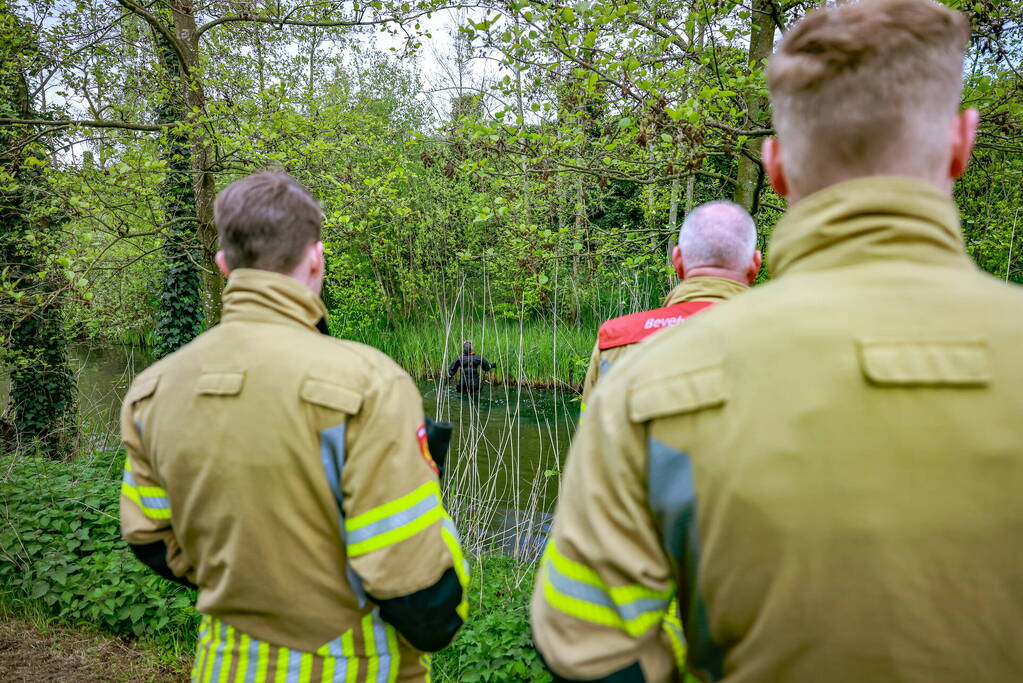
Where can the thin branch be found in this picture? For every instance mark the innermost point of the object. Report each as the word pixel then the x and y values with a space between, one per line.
pixel 166 32
pixel 277 21
pixel 78 122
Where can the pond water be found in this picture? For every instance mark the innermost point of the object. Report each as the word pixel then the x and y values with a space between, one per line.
pixel 502 469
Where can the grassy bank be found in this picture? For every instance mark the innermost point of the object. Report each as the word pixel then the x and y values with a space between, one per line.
pixel 531 352
pixel 61 559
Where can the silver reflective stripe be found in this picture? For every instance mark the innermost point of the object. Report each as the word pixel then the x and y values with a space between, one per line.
pixel 332 456
pixel 252 665
pixel 605 365
pixel 218 660
pixel 671 495
pixel 294 665
pixel 383 647
pixel 580 590
pixel 138 427
pixel 395 521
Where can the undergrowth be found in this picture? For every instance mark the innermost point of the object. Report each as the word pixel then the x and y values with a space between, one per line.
pixel 62 558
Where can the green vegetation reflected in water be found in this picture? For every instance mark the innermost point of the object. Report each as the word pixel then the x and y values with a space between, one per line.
pixel 503 466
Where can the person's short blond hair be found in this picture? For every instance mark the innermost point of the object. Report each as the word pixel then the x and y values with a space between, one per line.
pixel 867 88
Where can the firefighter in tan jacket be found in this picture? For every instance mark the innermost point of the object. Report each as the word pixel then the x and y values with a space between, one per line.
pixel 286 474
pixel 826 471
pixel 716 258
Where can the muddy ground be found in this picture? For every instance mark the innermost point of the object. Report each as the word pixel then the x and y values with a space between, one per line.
pixel 40 654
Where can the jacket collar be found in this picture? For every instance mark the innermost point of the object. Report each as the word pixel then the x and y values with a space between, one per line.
pixel 888 218
pixel 704 288
pixel 265 296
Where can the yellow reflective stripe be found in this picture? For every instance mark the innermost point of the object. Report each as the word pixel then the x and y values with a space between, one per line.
pixel 243 658
pixel 212 655
pixel 424 661
pixel 305 670
pixel 281 669
pixel 392 647
pixel 395 506
pixel 225 666
pixel 460 565
pixel 132 494
pixel 327 675
pixel 372 661
pixel 201 650
pixel 263 663
pixel 348 651
pixel 672 626
pixel 582 407
pixel 605 605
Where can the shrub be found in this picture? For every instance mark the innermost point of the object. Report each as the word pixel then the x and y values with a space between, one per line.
pixel 60 548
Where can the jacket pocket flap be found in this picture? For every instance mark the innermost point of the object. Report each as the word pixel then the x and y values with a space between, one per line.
pixel 926 363
pixel 330 395
pixel 142 388
pixel 681 393
pixel 221 383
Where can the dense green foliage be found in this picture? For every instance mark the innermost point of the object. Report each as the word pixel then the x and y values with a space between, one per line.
pixel 60 547
pixel 61 552
pixel 33 338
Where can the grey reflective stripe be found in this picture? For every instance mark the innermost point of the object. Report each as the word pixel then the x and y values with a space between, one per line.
pixel 605 365
pixel 383 647
pixel 395 521
pixel 587 592
pixel 138 427
pixel 671 495
pixel 155 502
pixel 332 455
pixel 218 656
pixel 294 665
pixel 252 665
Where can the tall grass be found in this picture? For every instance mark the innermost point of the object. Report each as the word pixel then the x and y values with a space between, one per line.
pixel 533 352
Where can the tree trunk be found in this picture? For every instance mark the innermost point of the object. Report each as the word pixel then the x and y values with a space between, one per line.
pixel 749 176
pixel 203 186
pixel 179 317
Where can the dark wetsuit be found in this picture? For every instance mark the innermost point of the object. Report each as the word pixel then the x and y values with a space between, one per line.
pixel 472 365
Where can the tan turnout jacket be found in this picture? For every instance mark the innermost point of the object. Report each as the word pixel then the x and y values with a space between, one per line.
pixel 827 471
pixel 700 288
pixel 239 446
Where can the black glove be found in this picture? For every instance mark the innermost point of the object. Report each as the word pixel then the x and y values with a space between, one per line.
pixel 438 438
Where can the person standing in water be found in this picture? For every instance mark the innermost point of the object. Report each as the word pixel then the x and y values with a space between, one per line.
pixel 472 366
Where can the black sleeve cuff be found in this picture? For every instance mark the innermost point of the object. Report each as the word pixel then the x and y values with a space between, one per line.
pixel 630 674
pixel 427 619
pixel 154 556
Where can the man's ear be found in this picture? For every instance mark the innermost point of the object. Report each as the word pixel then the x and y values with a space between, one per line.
pixel 770 153
pixel 754 267
pixel 676 260
pixel 222 263
pixel 964 134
